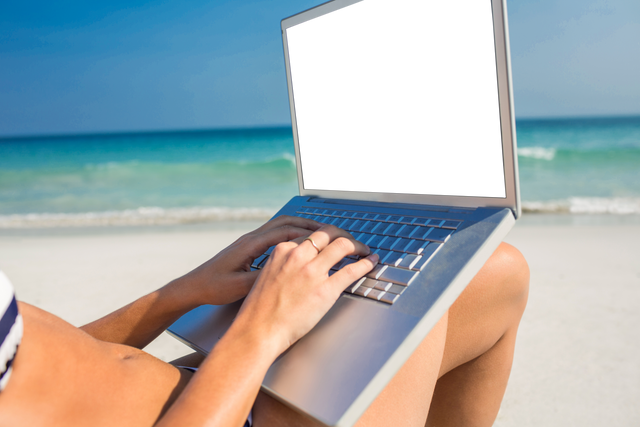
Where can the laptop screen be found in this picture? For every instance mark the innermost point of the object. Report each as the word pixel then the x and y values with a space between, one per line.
pixel 398 96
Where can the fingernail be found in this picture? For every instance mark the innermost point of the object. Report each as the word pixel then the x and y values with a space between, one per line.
pixel 374 258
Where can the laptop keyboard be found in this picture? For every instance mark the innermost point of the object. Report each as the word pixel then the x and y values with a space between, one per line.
pixel 405 245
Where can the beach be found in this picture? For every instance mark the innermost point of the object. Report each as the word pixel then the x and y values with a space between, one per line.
pixel 578 348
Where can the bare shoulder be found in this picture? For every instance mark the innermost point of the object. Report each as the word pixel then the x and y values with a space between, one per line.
pixel 63 376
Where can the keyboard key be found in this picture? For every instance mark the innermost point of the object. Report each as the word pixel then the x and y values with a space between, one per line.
pixel 375 294
pixel 382 286
pixel 439 235
pixel 382 217
pixel 376 272
pixel 396 289
pixel 336 221
pixel 368 283
pixel 388 243
pixel 421 232
pixel 356 226
pixel 382 253
pixel 416 247
pixel 326 220
pixel 362 291
pixel 408 261
pixel 389 298
pixel 256 262
pixel 361 237
pixel 380 227
pixel 421 221
pixel 452 225
pixel 430 250
pixel 347 223
pixel 397 275
pixel 370 216
pixel 394 258
pixel 421 263
pixel 365 237
pixel 368 226
pixel 436 222
pixel 392 229
pixel 375 241
pixel 400 245
pixel 268 251
pixel 358 215
pixel 407 220
pixel 394 218
pixel 407 230
pixel 352 287
pixel 347 214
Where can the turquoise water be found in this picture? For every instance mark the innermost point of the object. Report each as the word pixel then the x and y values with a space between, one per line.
pixel 568 165
pixel 580 165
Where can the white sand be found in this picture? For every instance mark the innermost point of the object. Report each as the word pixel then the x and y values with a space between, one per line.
pixel 578 351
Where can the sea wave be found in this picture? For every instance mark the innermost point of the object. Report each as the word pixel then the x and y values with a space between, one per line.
pixel 284 159
pixel 134 217
pixel 586 205
pixel 541 153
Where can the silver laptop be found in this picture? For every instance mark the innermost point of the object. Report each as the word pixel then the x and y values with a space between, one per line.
pixel 404 135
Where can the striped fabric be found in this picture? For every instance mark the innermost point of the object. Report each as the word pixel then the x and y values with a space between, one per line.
pixel 10 329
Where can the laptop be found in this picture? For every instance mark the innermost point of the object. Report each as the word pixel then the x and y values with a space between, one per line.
pixel 404 132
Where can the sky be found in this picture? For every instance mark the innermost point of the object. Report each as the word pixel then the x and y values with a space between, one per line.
pixel 84 67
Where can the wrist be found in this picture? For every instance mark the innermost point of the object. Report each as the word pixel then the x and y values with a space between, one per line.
pixel 179 295
pixel 256 338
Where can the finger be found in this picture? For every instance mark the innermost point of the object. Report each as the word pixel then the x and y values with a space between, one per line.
pixel 261 242
pixel 352 272
pixel 327 234
pixel 284 220
pixel 338 249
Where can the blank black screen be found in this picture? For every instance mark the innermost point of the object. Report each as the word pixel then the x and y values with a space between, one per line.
pixel 399 98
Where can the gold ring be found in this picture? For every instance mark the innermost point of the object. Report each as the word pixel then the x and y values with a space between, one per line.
pixel 313 243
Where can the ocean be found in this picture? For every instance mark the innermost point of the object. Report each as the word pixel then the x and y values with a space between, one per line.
pixel 580 166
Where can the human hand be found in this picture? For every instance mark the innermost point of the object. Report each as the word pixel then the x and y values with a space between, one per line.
pixel 227 277
pixel 294 290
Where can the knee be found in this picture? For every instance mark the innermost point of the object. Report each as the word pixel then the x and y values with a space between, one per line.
pixel 514 274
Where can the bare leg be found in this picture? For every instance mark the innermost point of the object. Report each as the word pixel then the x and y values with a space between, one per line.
pixel 470 350
pixel 480 342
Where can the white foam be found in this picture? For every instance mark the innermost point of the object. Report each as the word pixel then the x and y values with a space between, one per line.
pixel 139 216
pixel 541 153
pixel 586 205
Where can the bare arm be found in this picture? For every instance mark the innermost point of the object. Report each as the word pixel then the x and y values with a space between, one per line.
pixel 290 296
pixel 225 278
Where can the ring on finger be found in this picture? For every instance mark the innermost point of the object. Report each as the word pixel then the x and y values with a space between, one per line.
pixel 313 243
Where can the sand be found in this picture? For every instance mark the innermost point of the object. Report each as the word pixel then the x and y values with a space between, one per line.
pixel 578 351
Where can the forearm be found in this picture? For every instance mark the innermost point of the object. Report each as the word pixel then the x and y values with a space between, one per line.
pixel 227 383
pixel 140 322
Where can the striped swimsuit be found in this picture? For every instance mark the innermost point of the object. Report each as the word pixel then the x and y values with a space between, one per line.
pixel 10 329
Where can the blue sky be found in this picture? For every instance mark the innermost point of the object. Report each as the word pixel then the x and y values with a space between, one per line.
pixel 76 67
